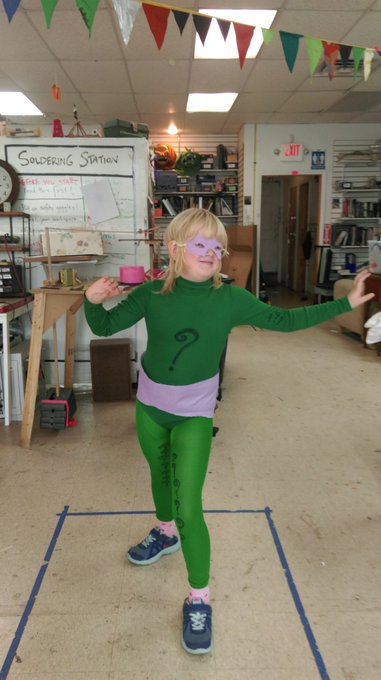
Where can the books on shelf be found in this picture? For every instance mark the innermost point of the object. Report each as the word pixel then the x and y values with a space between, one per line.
pixel 351 235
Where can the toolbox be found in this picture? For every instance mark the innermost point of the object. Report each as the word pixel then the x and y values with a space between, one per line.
pixel 125 128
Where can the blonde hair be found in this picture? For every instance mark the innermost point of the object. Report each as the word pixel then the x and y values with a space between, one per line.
pixel 183 228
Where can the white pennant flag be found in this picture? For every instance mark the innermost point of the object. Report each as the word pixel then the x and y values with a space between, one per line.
pixel 368 58
pixel 126 11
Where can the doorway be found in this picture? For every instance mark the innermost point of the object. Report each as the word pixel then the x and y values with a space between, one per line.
pixel 290 214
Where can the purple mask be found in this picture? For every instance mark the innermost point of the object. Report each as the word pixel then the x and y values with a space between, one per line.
pixel 199 245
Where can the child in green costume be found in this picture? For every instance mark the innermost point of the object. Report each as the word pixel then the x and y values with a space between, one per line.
pixel 189 315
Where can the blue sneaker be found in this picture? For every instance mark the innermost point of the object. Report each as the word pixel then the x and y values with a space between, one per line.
pixel 153 547
pixel 197 627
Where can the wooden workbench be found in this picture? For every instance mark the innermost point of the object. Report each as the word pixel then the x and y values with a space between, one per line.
pixel 49 305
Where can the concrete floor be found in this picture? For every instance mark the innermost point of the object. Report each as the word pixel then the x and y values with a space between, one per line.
pixel 296 579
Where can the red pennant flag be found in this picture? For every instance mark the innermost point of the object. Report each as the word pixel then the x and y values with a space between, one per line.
pixel 243 34
pixel 331 55
pixel 157 18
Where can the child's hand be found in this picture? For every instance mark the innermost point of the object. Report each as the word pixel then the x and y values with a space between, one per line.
pixel 103 289
pixel 357 295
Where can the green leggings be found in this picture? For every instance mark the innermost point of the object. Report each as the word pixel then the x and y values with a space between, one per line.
pixel 177 452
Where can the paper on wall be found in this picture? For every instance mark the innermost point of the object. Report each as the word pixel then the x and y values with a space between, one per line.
pixel 100 202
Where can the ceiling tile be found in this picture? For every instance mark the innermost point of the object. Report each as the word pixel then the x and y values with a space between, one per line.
pixel 98 76
pixel 266 101
pixel 68 37
pixel 160 103
pixel 216 75
pixel 112 105
pixel 37 76
pixel 157 76
pixel 309 102
pixel 272 76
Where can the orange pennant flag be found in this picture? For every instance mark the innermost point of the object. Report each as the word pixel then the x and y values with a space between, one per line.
pixel 56 92
pixel 331 55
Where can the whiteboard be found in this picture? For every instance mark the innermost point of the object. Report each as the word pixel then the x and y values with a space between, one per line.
pixel 52 175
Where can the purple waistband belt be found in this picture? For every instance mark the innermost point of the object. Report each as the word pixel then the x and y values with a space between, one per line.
pixel 197 399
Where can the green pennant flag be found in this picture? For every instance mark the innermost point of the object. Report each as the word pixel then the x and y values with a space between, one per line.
pixel 357 56
pixel 48 6
pixel 268 35
pixel 315 52
pixel 88 9
pixel 290 44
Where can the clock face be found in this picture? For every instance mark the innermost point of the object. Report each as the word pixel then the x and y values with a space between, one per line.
pixel 9 183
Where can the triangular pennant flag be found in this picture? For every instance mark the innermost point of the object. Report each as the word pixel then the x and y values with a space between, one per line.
pixel 368 58
pixel 243 34
pixel 157 18
pixel 181 19
pixel 357 56
pixel 315 52
pixel 126 11
pixel 202 25
pixel 290 44
pixel 48 6
pixel 88 9
pixel 11 7
pixel 345 53
pixel 268 35
pixel 331 55
pixel 224 27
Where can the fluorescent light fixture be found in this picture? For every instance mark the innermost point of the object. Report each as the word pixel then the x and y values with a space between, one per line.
pixel 17 104
pixel 216 47
pixel 216 101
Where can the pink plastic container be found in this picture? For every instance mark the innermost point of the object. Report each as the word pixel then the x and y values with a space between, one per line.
pixel 131 274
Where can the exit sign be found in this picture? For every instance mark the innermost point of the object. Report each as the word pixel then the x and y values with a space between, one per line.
pixel 291 152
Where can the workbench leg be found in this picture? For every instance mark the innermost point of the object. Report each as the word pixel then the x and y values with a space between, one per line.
pixel 33 370
pixel 69 349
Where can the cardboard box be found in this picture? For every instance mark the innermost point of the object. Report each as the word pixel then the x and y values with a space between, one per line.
pixel 73 242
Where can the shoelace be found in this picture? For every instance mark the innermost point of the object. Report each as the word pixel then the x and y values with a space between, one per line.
pixel 197 620
pixel 148 540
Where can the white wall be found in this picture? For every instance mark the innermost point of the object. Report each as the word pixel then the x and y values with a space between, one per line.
pixel 313 137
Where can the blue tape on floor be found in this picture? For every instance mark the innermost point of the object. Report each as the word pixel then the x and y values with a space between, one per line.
pixel 63 516
pixel 298 603
pixel 32 598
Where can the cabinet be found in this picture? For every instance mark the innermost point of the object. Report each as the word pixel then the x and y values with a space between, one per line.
pixel 14 242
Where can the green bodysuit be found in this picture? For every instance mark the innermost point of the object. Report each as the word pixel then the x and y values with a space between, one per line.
pixel 187 333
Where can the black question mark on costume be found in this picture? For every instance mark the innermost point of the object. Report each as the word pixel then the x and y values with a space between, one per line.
pixel 182 336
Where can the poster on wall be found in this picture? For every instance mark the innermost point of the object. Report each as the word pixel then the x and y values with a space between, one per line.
pixel 317 160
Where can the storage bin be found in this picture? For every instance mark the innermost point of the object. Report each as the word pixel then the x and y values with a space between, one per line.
pixel 125 128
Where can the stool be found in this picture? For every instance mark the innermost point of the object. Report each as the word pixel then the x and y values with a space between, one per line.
pixel 111 369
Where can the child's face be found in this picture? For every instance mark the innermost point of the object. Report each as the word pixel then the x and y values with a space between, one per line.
pixel 202 258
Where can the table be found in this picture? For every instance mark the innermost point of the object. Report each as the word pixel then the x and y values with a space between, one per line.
pixel 10 308
pixel 49 305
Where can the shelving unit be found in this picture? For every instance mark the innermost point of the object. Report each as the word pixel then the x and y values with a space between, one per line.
pixel 212 189
pixel 15 276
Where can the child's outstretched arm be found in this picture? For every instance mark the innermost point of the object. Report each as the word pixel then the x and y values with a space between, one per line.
pixel 103 289
pixel 357 295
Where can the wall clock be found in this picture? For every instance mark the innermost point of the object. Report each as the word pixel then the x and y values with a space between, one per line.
pixel 9 183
